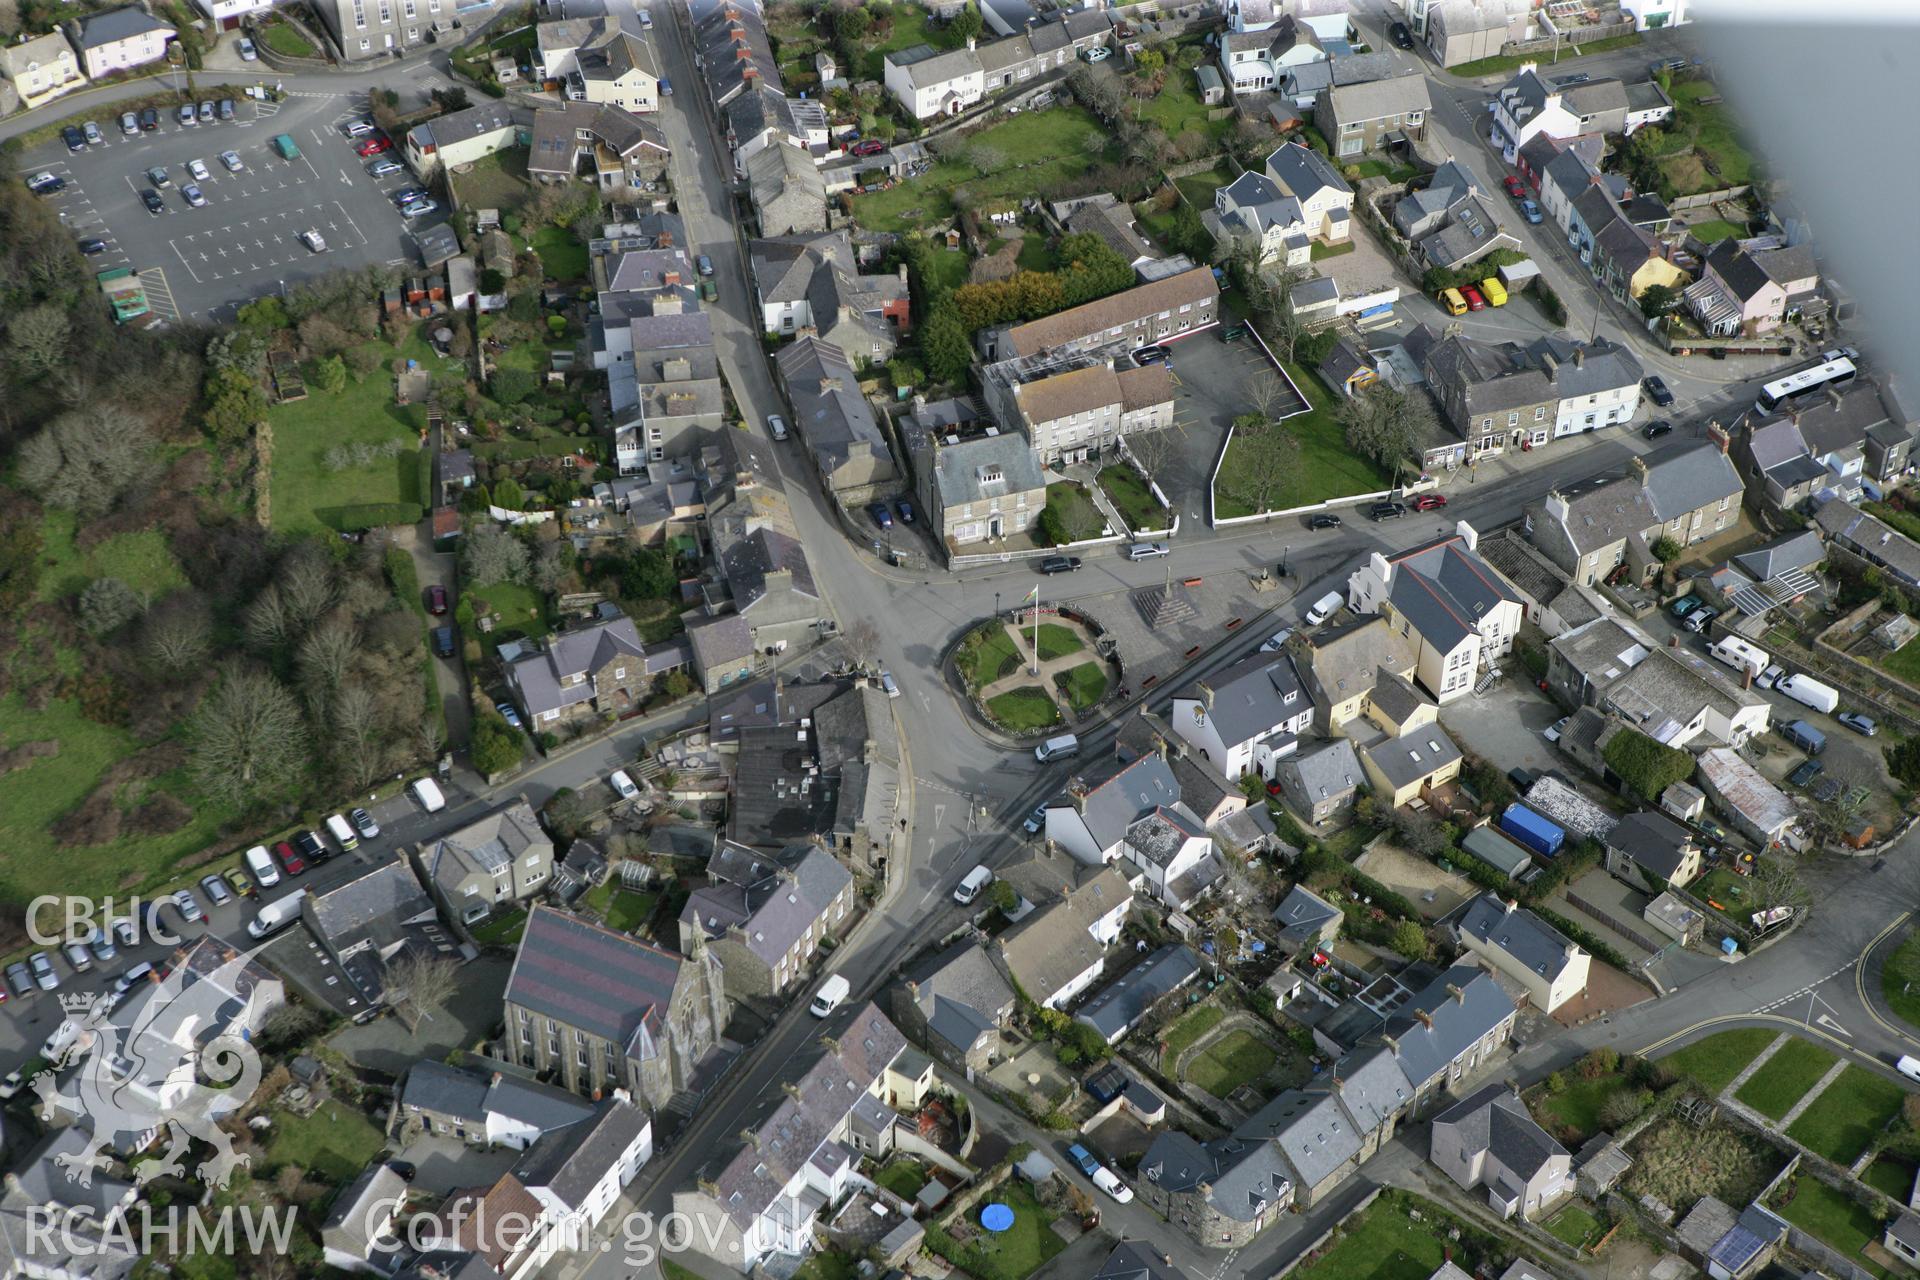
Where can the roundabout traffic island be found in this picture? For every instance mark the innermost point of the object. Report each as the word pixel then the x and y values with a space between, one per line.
pixel 1025 680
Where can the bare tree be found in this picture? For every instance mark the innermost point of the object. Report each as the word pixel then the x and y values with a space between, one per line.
pixel 269 622
pixel 308 584
pixel 37 339
pixel 1777 884
pixel 248 737
pixel 862 639
pixel 427 733
pixel 1266 395
pixel 1263 459
pixel 178 633
pixel 326 655
pixel 356 726
pixel 1385 424
pixel 423 979
pixel 1151 450
pixel 1080 520
pixel 107 604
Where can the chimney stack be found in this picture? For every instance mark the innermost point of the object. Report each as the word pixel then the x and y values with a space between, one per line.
pixel 1579 357
pixel 1552 366
pixel 1458 993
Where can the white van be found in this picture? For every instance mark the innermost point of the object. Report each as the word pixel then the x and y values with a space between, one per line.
pixel 1908 1066
pixel 1057 748
pixel 969 889
pixel 342 832
pixel 424 791
pixel 1325 607
pixel 260 866
pixel 1806 690
pixel 828 998
pixel 277 915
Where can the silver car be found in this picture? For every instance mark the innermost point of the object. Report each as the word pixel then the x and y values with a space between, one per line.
pixel 44 975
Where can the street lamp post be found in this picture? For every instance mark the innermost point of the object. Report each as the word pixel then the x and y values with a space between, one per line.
pixel 996 604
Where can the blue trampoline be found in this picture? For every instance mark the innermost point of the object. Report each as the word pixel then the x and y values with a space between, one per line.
pixel 996 1217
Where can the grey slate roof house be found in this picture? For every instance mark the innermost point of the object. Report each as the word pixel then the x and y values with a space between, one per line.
pixel 366 923
pixel 494 861
pixel 1529 951
pixel 770 582
pixel 847 445
pixel 1119 1008
pixel 357 1232
pixel 1306 919
pixel 788 192
pixel 595 669
pixel 1357 118
pixel 982 489
pixel 956 1004
pixel 810 284
pixel 764 916
pixel 1322 782
pixel 494 1110
pixel 602 1010
pixel 723 650
pixel 1646 847
pixel 1489 1141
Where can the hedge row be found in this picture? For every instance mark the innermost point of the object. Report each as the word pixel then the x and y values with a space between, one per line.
pixel 369 515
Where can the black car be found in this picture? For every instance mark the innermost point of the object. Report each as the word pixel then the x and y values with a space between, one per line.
pixel 75 140
pixel 1386 510
pixel 149 119
pixel 155 205
pixel 312 847
pixel 1400 35
pixel 47 184
pixel 92 245
pixel 1323 521
pixel 1060 564
pixel 1658 390
pixel 443 641
pixel 1657 428
pixel 403 1169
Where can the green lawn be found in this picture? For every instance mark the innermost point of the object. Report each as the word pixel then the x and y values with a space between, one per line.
pixel 1904 662
pixel 1714 133
pixel 1575 1225
pixel 502 930
pixel 1177 107
pixel 1499 65
pixel 950 266
pixel 517 613
pixel 1383 1243
pixel 1020 1250
pixel 625 910
pixel 1085 684
pixel 1712 1063
pixel 284 40
pixel 1024 708
pixel 1036 253
pixel 1906 958
pixel 1327 467
pixel 1320 252
pixel 1890 1175
pixel 1198 188
pixel 34 797
pixel 1843 1120
pixel 1057 641
pixel 1079 518
pixel 1375 168
pixel 142 560
pixel 1034 150
pixel 1714 230
pixel 987 655
pixel 333 1144
pixel 911 25
pixel 561 253
pixel 1188 1030
pixel 305 492
pixel 1578 1105
pixel 1236 1058
pixel 1127 489
pixel 1841 1221
pixel 1788 1074
pixel 904 1177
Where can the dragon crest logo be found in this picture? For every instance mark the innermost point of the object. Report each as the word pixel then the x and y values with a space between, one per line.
pixel 167 1065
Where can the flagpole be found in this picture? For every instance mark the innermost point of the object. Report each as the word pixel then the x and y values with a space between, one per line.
pixel 1036 632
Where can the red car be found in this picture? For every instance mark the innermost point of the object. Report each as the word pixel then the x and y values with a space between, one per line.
pixel 292 861
pixel 871 147
pixel 1429 502
pixel 436 599
pixel 1474 301
pixel 374 146
pixel 1515 188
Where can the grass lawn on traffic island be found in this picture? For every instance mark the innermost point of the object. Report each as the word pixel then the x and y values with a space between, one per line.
pixel 1023 709
pixel 1084 685
pixel 988 655
pixel 1793 1069
pixel 1057 641
pixel 1712 1063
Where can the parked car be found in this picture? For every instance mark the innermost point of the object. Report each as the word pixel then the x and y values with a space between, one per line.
pixel 20 979
pixel 363 823
pixel 776 426
pixel 1806 771
pixel 1060 564
pixel 1323 521
pixel 149 119
pixel 315 242
pixel 189 906
pixel 1553 731
pixel 290 858
pixel 436 599
pixel 1151 355
pixel 622 785
pixel 510 715
pixel 13 1082
pixel 1699 619
pixel 443 641
pixel 195 198
pixel 374 146
pixel 101 944
pixel 1099 53
pixel 1656 389
pixel 880 515
pixel 666 86
pixel 869 147
pixel 1858 723
pixel 129 123
pixel 78 956
pixel 93 134
pixel 92 245
pixel 207 112
pixel 419 208
pixel 1401 35
pixel 1475 302
pixel 407 195
pixel 216 890
pixel 232 160
pixel 125 931
pixel 1082 1158
pixel 1530 210
pixel 247 52
pixel 225 108
pixel 1148 550
pixel 44 976
pixel 312 847
pixel 1430 502
pixel 703 264
pixel 197 169
pixel 1515 188
pixel 360 128
pixel 1109 1181
pixel 155 205
pixel 1035 820
pixel 186 115
pixel 1233 332
pixel 1683 606
pixel 45 184
pixel 1657 428
pixel 1274 642
pixel 158 176
pixel 381 168
pixel 1386 510
pixel 75 140
pixel 241 882
pixel 905 509
pixel 1768 678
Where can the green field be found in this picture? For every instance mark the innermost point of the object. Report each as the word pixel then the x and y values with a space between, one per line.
pixel 1177 108
pixel 1384 1243
pixel 1575 1226
pixel 904 1176
pixel 1127 489
pixel 142 560
pixel 1188 1030
pixel 1198 188
pixel 1327 467
pixel 1236 1058
pixel 1712 1063
pixel 333 1144
pixel 1796 1067
pixel 517 611
pixel 1056 641
pixel 561 253
pixel 986 656
pixel 629 912
pixel 1714 230
pixel 1841 1221
pixel 1033 150
pixel 1085 684
pixel 1022 709
pixel 1843 1120
pixel 502 930
pixel 1904 662
pixel 1714 133
pixel 1890 1175
pixel 1578 1105
pixel 305 492
pixel 1508 64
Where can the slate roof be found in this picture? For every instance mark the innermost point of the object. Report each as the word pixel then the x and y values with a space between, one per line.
pixel 1532 942
pixel 1312 1132
pixel 43 1176
pixel 1127 796
pixel 725 641
pixel 961 995
pixel 1414 754
pixel 1570 172
pixel 1652 840
pixel 1736 269
pixel 362 1209
pixel 1252 696
pixel 1052 947
pixel 1329 770
pixel 100 29
pixel 960 470
pixel 1379 99
pixel 486 845
pixel 1303 172
pixel 601 982
pixel 829 411
pixel 541 677
pixel 772 902
pixel 369 903
pixel 1345 660
pixel 1116 1009
pixel 779 171
pixel 1801 549
pixel 1683 480
pixel 748 562
pixel 1599 515
pixel 1133 1261
pixel 1427 1046
pixel 1494 1120
pixel 570 1164
pixel 1129 305
pixel 1245 1179
pixel 1446 591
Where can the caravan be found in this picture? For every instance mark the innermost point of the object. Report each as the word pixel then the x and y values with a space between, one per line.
pixel 1740 655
